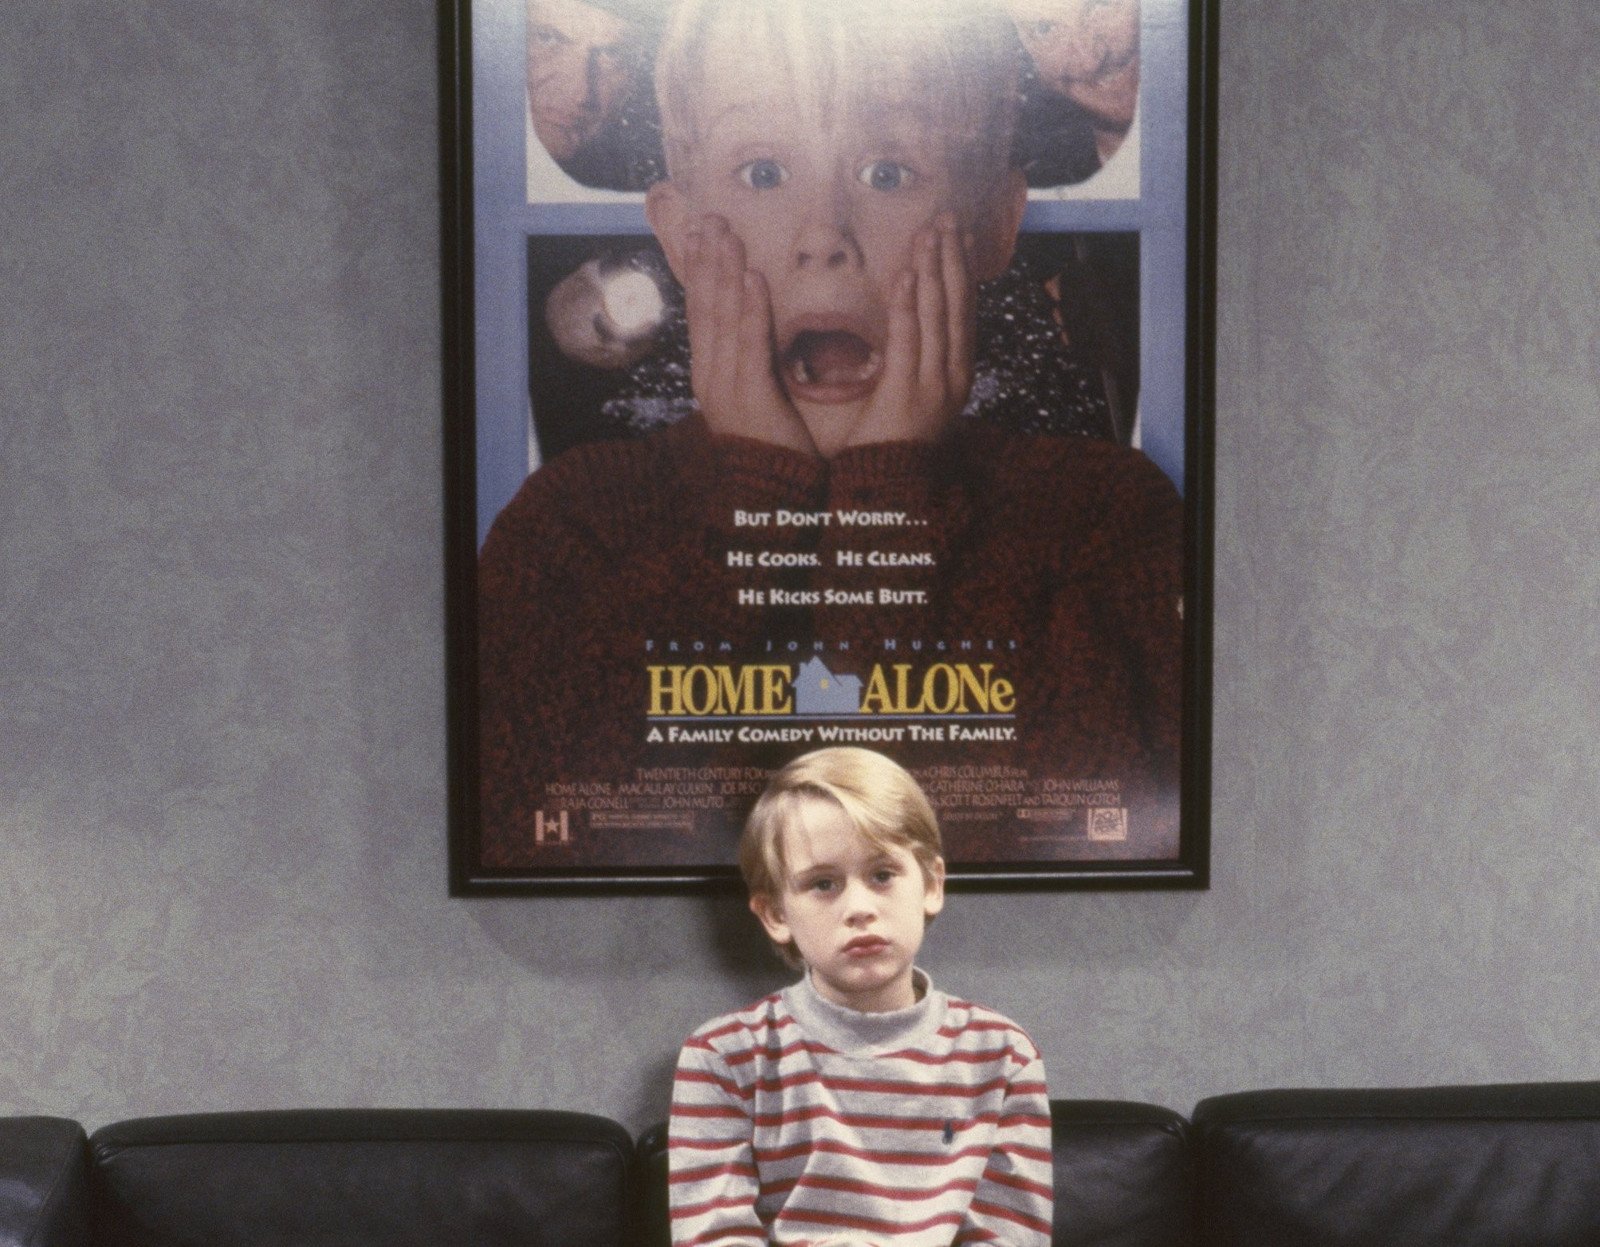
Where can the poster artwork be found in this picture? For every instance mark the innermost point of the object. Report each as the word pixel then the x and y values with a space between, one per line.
pixel 828 449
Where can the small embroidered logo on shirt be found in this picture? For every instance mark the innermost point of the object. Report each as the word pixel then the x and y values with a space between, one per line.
pixel 949 1131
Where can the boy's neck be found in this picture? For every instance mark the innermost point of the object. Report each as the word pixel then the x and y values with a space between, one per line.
pixel 852 1032
pixel 833 429
pixel 895 997
pixel 830 429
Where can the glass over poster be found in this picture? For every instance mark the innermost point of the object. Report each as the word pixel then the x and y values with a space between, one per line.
pixel 827 373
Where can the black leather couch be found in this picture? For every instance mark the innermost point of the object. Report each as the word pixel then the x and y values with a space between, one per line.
pixel 1511 1166
pixel 343 1177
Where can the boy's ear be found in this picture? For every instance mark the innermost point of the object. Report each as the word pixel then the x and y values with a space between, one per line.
pixel 995 229
pixel 933 887
pixel 667 210
pixel 771 915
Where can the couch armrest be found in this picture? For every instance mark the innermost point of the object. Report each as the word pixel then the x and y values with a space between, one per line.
pixel 1468 1166
pixel 44 1198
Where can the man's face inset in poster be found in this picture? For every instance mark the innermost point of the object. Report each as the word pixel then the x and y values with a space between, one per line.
pixel 1086 51
pixel 581 65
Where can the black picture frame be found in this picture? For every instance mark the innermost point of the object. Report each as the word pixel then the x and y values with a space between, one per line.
pixel 490 336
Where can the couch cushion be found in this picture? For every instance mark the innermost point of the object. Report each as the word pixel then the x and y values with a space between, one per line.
pixel 1492 1166
pixel 360 1177
pixel 43 1182
pixel 1122 1177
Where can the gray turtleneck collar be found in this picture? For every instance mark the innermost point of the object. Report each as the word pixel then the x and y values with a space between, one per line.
pixel 851 1032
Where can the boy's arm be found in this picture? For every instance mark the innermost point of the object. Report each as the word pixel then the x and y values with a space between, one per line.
pixel 1015 1199
pixel 712 1182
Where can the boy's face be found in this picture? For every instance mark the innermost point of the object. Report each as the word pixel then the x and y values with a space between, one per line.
pixel 827 207
pixel 854 910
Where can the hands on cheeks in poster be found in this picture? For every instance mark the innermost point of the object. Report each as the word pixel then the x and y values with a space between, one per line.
pixel 798 371
pixel 922 373
pixel 830 248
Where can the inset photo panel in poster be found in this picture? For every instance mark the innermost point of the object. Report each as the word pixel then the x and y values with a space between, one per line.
pixel 827 374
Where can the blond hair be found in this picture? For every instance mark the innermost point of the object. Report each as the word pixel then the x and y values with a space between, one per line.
pixel 955 61
pixel 876 794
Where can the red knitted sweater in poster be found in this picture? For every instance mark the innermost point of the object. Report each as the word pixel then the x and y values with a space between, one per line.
pixel 1057 560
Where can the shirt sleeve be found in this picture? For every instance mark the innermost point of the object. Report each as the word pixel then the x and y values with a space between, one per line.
pixel 712 1183
pixel 1015 1200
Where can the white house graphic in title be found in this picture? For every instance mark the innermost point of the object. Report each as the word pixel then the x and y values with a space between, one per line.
pixel 818 691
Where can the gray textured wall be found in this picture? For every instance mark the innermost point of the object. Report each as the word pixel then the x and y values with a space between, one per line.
pixel 222 734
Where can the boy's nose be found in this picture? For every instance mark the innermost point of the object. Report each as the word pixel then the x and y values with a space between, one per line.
pixel 826 241
pixel 858 903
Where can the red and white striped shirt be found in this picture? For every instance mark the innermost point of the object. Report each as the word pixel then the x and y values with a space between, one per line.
pixel 798 1121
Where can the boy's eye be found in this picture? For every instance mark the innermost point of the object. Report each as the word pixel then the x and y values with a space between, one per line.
pixel 763 174
pixel 548 36
pixel 822 885
pixel 886 175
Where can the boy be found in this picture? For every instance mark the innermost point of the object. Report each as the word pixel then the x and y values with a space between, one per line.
pixel 839 179
pixel 860 1105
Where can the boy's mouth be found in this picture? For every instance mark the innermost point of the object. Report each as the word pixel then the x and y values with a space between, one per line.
pixel 830 365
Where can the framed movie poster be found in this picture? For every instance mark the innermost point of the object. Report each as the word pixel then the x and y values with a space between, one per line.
pixel 828 373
